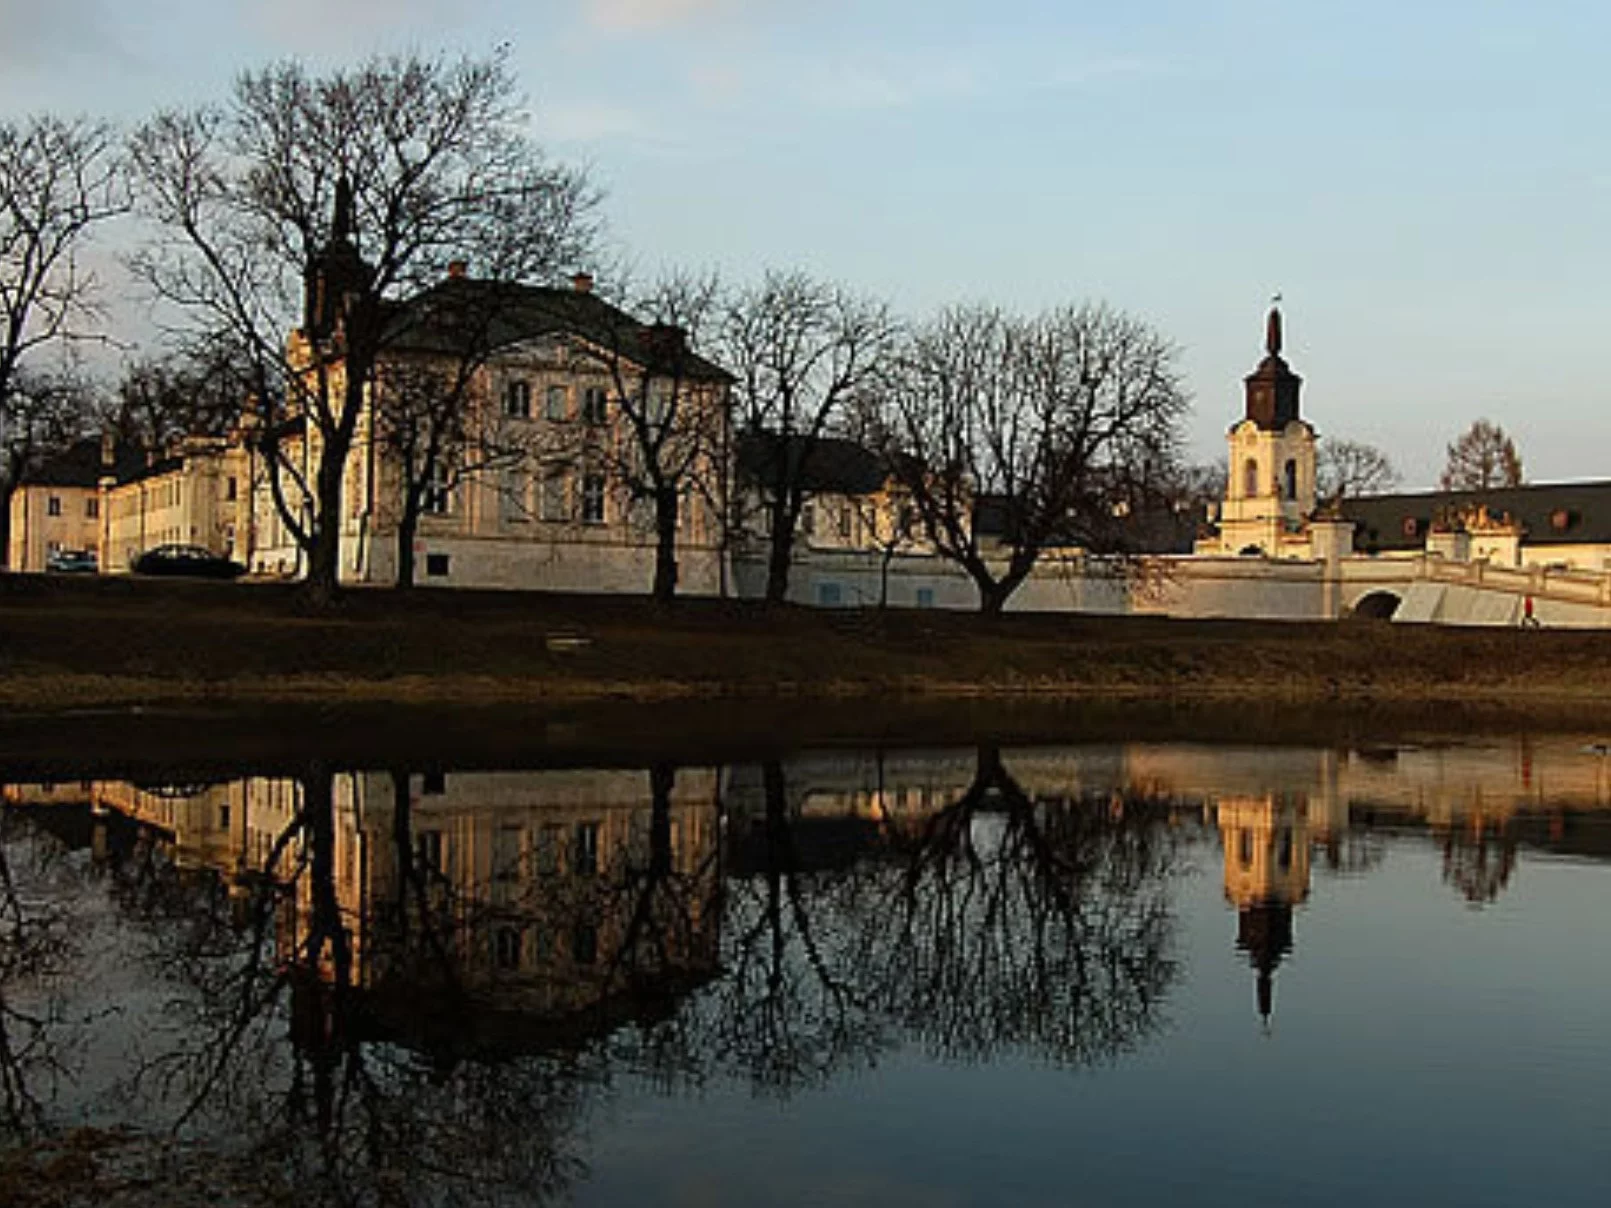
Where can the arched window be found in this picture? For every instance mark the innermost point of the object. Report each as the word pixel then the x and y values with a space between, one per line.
pixel 1250 478
pixel 1290 479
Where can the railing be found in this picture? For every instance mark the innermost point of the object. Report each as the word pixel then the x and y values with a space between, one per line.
pixel 1542 582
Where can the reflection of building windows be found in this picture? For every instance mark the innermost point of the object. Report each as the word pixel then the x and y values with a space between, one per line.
pixel 584 944
pixel 428 850
pixel 557 403
pixel 1284 849
pixel 506 853
pixel 92 507
pixel 548 848
pixel 1245 847
pixel 506 947
pixel 585 850
pixel 595 405
pixel 223 817
pixel 517 400
pixel 53 505
pixel 593 499
pixel 512 496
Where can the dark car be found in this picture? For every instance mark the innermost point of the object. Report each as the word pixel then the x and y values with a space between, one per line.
pixel 191 560
pixel 70 562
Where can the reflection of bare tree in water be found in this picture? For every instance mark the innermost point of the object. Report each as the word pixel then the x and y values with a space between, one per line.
pixel 33 949
pixel 1478 859
pixel 343 1115
pixel 998 922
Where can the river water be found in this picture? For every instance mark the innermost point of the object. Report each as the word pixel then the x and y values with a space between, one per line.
pixel 1116 973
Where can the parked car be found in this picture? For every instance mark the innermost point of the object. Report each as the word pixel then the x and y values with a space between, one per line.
pixel 190 560
pixel 71 562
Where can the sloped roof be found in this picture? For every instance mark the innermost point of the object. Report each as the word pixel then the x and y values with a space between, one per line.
pixel 827 465
pixel 1565 513
pixel 442 317
pixel 79 465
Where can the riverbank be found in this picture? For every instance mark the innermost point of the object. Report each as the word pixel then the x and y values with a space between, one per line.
pixel 70 643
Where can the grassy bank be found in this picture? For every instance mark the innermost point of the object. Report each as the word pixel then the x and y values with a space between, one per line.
pixel 73 643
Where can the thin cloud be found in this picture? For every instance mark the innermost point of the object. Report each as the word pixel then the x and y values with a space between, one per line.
pixel 631 16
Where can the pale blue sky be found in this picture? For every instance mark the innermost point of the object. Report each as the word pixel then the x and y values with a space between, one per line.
pixel 1427 181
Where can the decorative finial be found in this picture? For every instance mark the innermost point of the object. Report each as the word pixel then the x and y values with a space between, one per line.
pixel 1272 327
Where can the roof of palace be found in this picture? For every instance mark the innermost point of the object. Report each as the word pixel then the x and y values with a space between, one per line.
pixel 1564 513
pixel 827 465
pixel 79 465
pixel 445 316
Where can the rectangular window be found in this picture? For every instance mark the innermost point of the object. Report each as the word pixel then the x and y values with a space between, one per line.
pixel 830 595
pixel 595 405
pixel 92 507
pixel 925 597
pixel 506 947
pixel 585 850
pixel 53 506
pixel 593 499
pixel 229 489
pixel 548 838
pixel 436 565
pixel 808 520
pixel 557 403
pixel 512 496
pixel 556 501
pixel 428 850
pixel 437 497
pixel 847 519
pixel 433 784
pixel 517 400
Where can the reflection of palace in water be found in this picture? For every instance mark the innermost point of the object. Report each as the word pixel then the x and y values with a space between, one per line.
pixel 547 895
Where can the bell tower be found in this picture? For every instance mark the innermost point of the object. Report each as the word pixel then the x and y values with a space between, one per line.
pixel 1270 483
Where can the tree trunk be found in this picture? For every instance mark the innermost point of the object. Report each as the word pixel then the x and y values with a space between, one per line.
pixel 408 527
pixel 781 552
pixel 7 490
pixel 662 779
pixel 665 549
pixel 324 548
pixel 883 576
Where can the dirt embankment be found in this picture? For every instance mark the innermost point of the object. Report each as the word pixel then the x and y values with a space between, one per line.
pixel 68 643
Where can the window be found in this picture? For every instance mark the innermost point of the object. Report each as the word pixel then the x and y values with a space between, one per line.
pixel 556 502
pixel 223 817
pixel 808 519
pixel 585 850
pixel 585 944
pixel 595 405
pixel 436 565
pixel 557 403
pixel 1290 476
pixel 517 400
pixel 548 848
pixel 846 519
pixel 659 406
pixel 437 497
pixel 53 505
pixel 925 597
pixel 593 499
pixel 506 947
pixel 433 784
pixel 512 497
pixel 1245 848
pixel 830 595
pixel 1250 478
pixel 428 850
pixel 229 489
pixel 92 508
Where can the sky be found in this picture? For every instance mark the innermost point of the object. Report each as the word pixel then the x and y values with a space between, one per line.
pixel 1425 182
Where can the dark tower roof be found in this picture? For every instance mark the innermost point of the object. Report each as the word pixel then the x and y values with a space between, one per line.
pixel 1272 389
pixel 1264 933
pixel 337 271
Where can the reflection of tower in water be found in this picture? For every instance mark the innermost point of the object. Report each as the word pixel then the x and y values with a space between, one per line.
pixel 1266 846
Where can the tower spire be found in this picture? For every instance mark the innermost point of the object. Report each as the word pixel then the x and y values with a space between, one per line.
pixel 341 222
pixel 1272 328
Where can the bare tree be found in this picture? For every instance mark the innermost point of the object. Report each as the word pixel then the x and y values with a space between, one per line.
pixel 799 350
pixel 1016 436
pixel 1345 469
pixel 421 161
pixel 59 179
pixel 1481 458
pixel 163 398
pixel 671 405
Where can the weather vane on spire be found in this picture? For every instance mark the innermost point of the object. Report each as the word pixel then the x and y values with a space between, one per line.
pixel 1272 327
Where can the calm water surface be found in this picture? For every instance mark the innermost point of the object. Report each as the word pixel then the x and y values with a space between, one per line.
pixel 1118 974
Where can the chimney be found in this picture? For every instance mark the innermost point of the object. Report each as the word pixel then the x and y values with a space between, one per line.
pixel 457 269
pixel 582 283
pixel 108 450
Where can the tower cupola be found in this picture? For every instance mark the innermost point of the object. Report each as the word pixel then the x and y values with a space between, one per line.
pixel 1272 389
